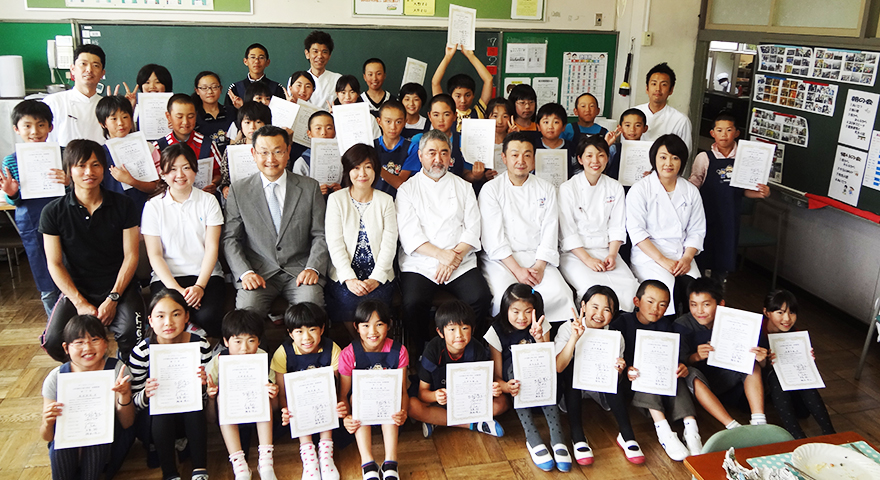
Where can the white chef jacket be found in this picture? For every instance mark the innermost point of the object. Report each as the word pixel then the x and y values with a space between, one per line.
pixel 667 120
pixel 74 117
pixel 591 216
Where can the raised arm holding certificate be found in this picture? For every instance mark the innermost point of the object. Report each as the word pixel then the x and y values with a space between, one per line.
pixel 478 141
pixel 734 333
pixel 656 358
pixel 414 71
pixel 240 159
pixel 469 392
pixel 283 112
pixel 35 162
pixel 175 367
pixel 88 414
pixel 794 363
pixel 752 164
pixel 243 397
pixel 311 401
pixel 634 161
pixel 534 365
pixel 133 152
pixel 376 395
pixel 462 27
pixel 354 124
pixel 552 165
pixel 595 360
pixel 151 114
pixel 325 165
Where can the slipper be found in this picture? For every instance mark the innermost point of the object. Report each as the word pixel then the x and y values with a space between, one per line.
pixel 631 449
pixel 541 456
pixel 583 453
pixel 562 457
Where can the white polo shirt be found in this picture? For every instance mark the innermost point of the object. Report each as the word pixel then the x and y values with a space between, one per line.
pixel 182 228
pixel 74 117
pixel 325 88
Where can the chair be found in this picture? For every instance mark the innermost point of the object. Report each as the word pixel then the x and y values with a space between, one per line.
pixel 753 237
pixel 10 242
pixel 746 436
pixel 872 328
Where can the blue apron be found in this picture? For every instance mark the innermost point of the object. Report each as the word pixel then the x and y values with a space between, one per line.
pixel 722 205
pixel 517 337
pixel 438 374
pixel 307 361
pixel 376 360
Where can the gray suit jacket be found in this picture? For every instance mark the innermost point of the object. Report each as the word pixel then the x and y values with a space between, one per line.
pixel 249 238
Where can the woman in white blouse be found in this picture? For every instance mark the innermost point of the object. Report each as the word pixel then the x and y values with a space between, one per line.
pixel 181 228
pixel 361 232
pixel 666 222
pixel 592 226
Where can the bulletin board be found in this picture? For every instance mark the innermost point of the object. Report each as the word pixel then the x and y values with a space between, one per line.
pixel 216 6
pixel 491 9
pixel 810 167
pixel 558 44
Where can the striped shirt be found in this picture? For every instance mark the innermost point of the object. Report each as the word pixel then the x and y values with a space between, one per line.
pixel 140 366
pixel 10 163
pixel 195 141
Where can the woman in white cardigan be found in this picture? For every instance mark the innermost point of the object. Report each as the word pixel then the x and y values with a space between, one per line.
pixel 361 232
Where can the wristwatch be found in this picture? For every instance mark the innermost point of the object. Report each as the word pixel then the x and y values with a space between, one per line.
pixel 114 296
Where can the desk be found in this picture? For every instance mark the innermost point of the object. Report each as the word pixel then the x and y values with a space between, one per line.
pixel 8 209
pixel 708 465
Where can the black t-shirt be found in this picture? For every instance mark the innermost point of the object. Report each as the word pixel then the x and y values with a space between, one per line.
pixel 91 244
pixel 436 353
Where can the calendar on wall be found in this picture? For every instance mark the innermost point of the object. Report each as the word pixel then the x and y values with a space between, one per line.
pixel 583 72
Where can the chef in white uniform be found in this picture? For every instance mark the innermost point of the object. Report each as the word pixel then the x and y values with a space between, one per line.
pixel 439 230
pixel 520 221
pixel 662 117
pixel 592 226
pixel 74 109
pixel 666 221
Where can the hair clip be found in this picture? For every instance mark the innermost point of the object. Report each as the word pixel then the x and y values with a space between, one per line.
pixel 533 291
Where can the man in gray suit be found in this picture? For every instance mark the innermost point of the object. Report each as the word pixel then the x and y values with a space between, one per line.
pixel 274 233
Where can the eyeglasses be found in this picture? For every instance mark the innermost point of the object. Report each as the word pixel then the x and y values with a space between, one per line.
pixel 94 341
pixel 261 58
pixel 525 103
pixel 210 88
pixel 278 154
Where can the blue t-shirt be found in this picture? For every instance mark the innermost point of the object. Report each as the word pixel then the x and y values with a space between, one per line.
pixel 570 135
pixel 392 161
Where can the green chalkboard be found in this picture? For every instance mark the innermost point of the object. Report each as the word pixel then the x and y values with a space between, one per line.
pixel 188 49
pixel 560 42
pixel 29 41
pixel 809 169
pixel 232 6
pixel 495 9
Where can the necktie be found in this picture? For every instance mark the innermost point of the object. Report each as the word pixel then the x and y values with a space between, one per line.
pixel 274 206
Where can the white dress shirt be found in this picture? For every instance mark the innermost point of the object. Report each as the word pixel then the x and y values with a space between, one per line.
pixel 280 191
pixel 667 120
pixel 443 213
pixel 74 117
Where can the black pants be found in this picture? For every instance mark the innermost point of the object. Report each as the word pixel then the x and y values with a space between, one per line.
pixel 796 404
pixel 164 430
pixel 573 399
pixel 210 315
pixel 126 326
pixel 418 293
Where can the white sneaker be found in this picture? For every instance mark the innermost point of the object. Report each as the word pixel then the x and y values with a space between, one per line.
pixel 694 442
pixel 673 446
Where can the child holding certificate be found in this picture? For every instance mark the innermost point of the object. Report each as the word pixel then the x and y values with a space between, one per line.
pixel 373 351
pixel 780 315
pixel 321 125
pixel 242 330
pixel 169 324
pixel 251 116
pixel 181 116
pixel 308 348
pixel 711 173
pixel 85 342
pixel 455 322
pixel 115 116
pixel 521 321
pixel 715 386
pixel 598 307
pixel 651 301
pixel 32 121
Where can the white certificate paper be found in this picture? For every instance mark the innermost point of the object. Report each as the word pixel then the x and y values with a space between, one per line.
pixel 478 141
pixel 311 401
pixel 301 123
pixel 133 152
pixel 151 114
pixel 376 395
pixel 634 161
pixel 243 397
pixel 656 358
pixel 469 392
pixel 752 164
pixel 205 173
pixel 88 413
pixel 534 365
pixel 595 359
pixel 734 332
pixel 414 71
pixel 240 159
pixel 35 160
pixel 325 164
pixel 546 89
pixel 552 165
pixel 462 27
pixel 175 366
pixel 795 366
pixel 498 162
pixel 354 124
pixel 283 112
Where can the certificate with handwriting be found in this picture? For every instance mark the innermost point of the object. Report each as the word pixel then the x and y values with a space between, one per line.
pixel 376 395
pixel 595 360
pixel 88 415
pixel 133 152
pixel 311 401
pixel 175 367
pixel 794 365
pixel 469 392
pixel 534 365
pixel 656 358
pixel 734 333
pixel 243 397
pixel 35 162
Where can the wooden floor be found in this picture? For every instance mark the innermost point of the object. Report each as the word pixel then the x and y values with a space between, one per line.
pixel 451 453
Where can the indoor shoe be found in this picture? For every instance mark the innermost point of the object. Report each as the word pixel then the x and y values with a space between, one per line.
pixel 673 446
pixel 562 457
pixel 694 442
pixel 541 456
pixel 583 453
pixel 489 428
pixel 631 449
pixel 427 429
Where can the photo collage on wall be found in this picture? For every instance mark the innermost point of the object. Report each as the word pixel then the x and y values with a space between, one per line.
pixel 848 66
pixel 780 127
pixel 798 94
